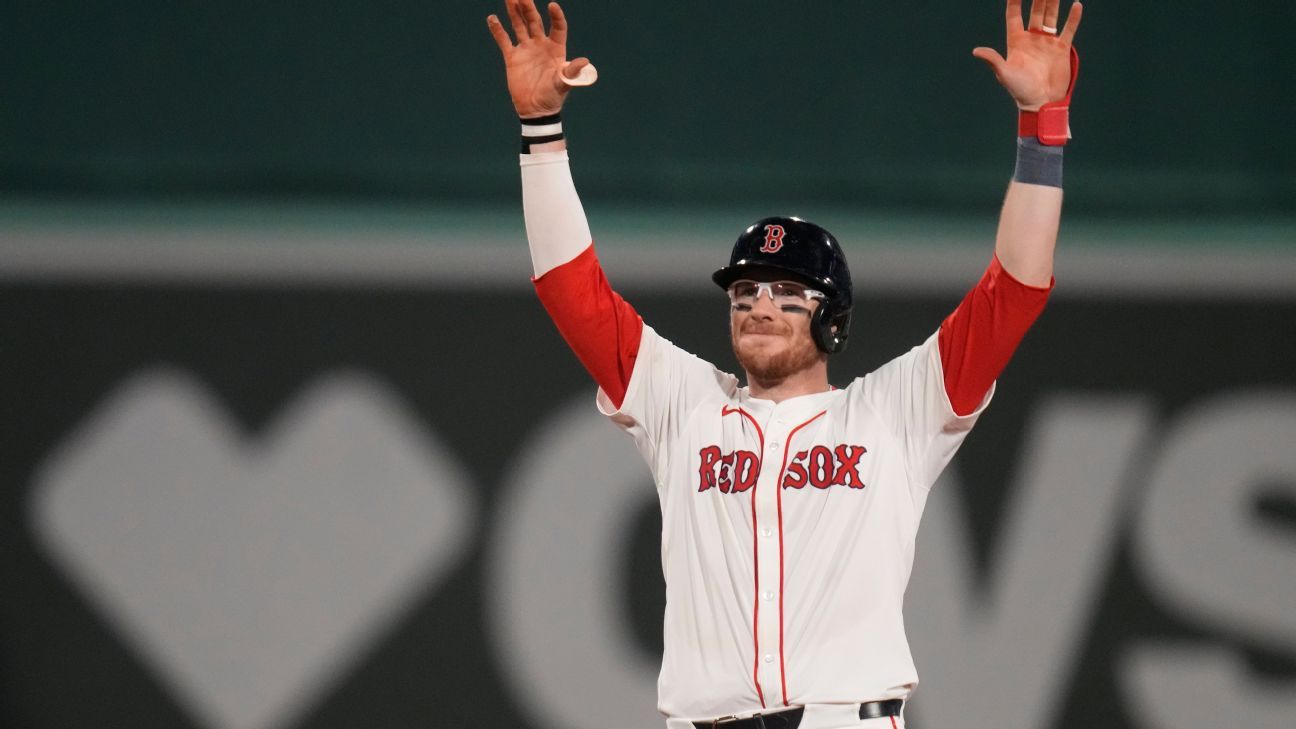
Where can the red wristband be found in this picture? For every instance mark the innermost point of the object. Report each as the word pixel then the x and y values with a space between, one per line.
pixel 1051 125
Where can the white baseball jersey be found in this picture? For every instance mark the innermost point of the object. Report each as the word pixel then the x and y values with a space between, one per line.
pixel 788 529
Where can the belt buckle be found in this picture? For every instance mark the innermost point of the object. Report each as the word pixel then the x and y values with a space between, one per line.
pixel 723 720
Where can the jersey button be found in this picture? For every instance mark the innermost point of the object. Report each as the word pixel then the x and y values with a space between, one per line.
pixel 773 445
pixel 767 532
pixel 767 595
pixel 769 657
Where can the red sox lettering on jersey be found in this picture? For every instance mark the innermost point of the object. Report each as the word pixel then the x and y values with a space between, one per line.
pixel 787 528
pixel 820 467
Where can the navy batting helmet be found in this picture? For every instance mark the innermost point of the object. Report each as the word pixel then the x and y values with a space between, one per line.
pixel 806 253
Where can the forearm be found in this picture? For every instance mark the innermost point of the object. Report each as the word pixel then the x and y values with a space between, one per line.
pixel 980 336
pixel 1031 214
pixel 1028 228
pixel 599 326
pixel 557 230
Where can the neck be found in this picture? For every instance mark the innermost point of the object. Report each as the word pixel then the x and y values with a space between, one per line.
pixel 809 381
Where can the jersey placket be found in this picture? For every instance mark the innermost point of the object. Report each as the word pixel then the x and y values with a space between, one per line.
pixel 769 546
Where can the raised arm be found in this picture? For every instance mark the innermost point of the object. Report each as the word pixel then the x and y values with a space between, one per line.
pixel 539 79
pixel 980 336
pixel 1038 73
pixel 599 326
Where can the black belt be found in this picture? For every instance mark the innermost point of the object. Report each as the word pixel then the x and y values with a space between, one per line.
pixel 791 718
pixel 879 709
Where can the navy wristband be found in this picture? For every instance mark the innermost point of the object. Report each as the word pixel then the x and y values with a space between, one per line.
pixel 1038 164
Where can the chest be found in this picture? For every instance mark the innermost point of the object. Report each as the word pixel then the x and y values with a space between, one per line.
pixel 784 484
pixel 802 453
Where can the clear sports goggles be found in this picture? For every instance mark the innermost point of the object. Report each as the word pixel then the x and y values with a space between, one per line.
pixel 744 293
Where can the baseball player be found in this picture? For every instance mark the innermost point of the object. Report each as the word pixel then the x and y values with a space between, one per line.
pixel 790 507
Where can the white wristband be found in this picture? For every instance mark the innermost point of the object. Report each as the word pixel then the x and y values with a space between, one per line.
pixel 541 130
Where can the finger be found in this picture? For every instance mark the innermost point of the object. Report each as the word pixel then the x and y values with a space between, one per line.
pixel 1014 16
pixel 1037 14
pixel 501 36
pixel 1073 22
pixel 557 24
pixel 535 26
pixel 515 19
pixel 1051 15
pixel 579 72
pixel 992 58
pixel 573 69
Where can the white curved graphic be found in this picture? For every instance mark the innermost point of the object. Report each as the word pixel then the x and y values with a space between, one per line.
pixel 559 538
pixel 250 572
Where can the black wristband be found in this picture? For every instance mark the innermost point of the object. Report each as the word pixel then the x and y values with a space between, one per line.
pixel 1038 164
pixel 540 130
pixel 540 121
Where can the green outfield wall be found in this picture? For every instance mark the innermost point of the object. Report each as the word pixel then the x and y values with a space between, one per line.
pixel 1180 110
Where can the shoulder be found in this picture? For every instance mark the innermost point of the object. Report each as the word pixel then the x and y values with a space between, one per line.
pixel 899 371
pixel 664 356
pixel 667 378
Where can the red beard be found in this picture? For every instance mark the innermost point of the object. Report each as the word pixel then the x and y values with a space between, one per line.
pixel 773 368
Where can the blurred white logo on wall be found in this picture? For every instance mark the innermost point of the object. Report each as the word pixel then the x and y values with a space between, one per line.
pixel 249 572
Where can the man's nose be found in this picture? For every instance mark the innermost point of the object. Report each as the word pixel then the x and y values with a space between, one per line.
pixel 764 305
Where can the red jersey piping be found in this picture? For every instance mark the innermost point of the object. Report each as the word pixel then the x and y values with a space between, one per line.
pixel 726 410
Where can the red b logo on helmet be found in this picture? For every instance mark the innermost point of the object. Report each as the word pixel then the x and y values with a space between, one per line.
pixel 773 239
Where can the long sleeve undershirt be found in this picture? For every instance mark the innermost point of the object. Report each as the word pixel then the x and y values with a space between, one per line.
pixel 599 326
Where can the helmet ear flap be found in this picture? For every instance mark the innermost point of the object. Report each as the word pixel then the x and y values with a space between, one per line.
pixel 821 328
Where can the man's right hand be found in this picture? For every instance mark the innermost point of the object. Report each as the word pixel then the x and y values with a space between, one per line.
pixel 537 64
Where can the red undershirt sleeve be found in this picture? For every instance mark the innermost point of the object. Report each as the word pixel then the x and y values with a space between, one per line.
pixel 979 337
pixel 599 326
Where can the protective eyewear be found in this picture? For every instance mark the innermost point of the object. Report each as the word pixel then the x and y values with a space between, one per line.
pixel 743 294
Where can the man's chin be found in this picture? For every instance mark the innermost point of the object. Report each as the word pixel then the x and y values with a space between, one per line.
pixel 771 362
pixel 759 351
pixel 753 346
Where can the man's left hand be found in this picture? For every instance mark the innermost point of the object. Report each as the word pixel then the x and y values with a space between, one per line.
pixel 1038 68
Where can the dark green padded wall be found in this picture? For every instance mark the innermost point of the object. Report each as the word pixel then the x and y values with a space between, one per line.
pixel 1183 107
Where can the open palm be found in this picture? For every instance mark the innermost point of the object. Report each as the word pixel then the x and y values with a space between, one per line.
pixel 1038 67
pixel 537 64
